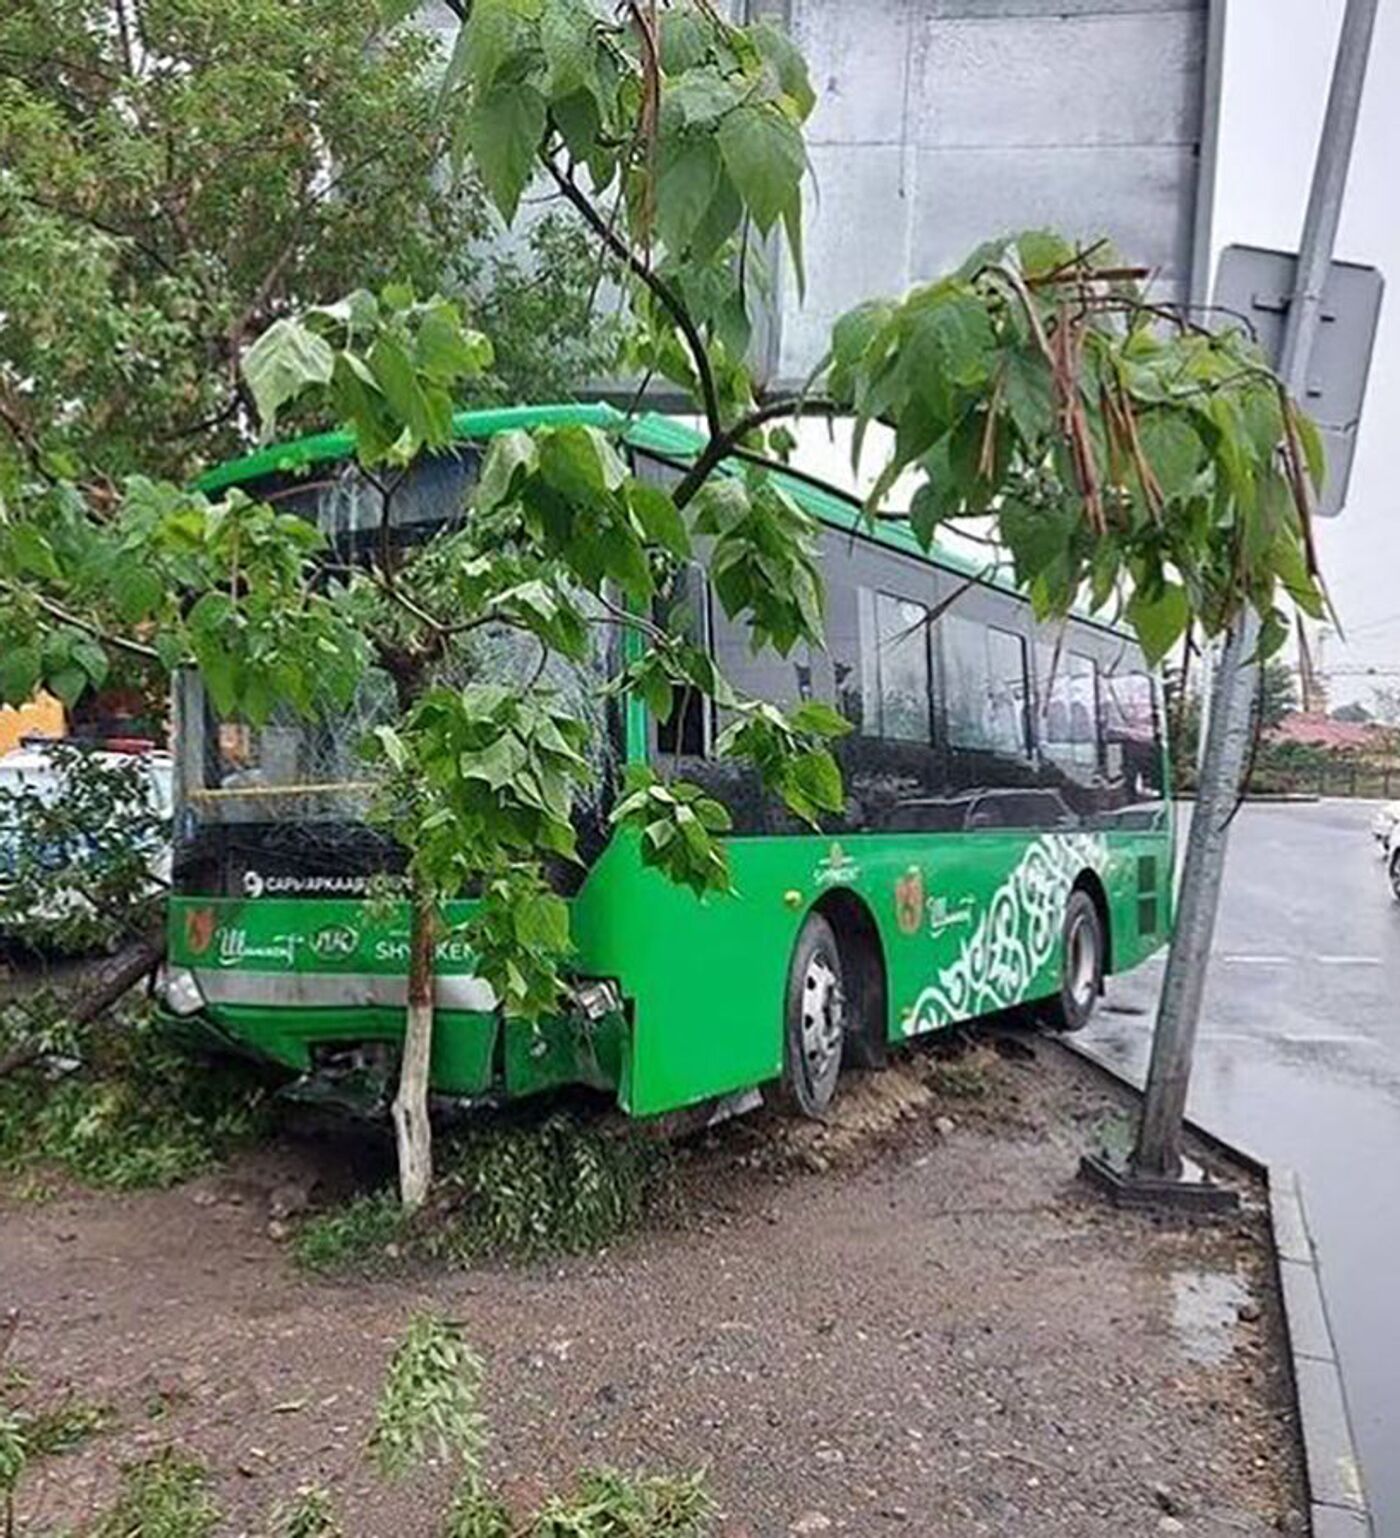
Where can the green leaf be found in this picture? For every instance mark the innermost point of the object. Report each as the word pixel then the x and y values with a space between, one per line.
pixel 818 781
pixel 33 553
pixel 682 40
pixel 763 154
pixel 820 718
pixel 1029 393
pixel 1160 620
pixel 92 659
pixel 580 463
pixel 285 360
pixel 19 674
pixel 67 684
pixel 685 187
pixel 543 921
pixel 659 517
pixel 428 417
pixel 566 38
pixel 1173 449
pixel 445 350
pixel 782 55
pixel 1314 451
pixel 504 131
pixel 512 454
pixel 136 591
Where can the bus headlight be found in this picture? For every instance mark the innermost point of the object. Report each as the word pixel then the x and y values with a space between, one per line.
pixel 179 989
pixel 597 997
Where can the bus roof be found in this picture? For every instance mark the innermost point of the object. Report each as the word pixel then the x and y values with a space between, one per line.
pixel 662 435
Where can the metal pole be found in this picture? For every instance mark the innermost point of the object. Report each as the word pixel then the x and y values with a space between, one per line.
pixel 1158 1151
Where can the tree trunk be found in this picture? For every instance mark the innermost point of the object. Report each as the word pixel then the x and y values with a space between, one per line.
pixel 411 1126
pixel 99 991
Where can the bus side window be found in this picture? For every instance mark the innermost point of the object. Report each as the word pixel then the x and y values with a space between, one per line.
pixel 895 684
pixel 1070 728
pixel 1132 733
pixel 685 605
pixel 985 674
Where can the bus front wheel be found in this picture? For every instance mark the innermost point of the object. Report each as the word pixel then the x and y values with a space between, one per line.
pixel 815 1025
pixel 1081 965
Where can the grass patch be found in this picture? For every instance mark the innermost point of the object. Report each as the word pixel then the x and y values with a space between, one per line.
pixel 551 1188
pixel 134 1113
pixel 366 1235
pixel 64 1428
pixel 607 1504
pixel 166 1496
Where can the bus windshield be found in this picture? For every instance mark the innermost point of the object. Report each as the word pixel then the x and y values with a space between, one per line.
pixel 305 783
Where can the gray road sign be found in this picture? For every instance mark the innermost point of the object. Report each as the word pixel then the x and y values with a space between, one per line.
pixel 1257 285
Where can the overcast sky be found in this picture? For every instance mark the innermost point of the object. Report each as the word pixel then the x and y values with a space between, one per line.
pixel 1278 60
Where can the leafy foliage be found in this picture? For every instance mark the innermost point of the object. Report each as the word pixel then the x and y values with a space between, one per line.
pixel 1156 467
pixel 177 180
pixel 526 1192
pixel 309 1515
pixel 607 1504
pixel 133 1113
pixel 164 1496
pixel 428 1408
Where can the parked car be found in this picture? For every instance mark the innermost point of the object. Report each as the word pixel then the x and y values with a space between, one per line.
pixel 68 813
pixel 1386 818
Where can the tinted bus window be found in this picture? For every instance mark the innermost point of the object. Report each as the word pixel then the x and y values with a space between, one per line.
pixel 1132 735
pixel 985 673
pixel 1070 728
pixel 894 666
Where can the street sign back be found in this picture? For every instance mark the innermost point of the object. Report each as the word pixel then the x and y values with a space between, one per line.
pixel 1257 285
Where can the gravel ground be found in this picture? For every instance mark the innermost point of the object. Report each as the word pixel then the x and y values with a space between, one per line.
pixel 909 1322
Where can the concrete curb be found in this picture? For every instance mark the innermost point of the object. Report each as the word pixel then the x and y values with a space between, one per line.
pixel 1337 1498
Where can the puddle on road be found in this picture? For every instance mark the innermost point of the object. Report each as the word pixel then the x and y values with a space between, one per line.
pixel 1205 1308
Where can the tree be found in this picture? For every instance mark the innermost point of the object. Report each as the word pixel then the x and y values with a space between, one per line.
pixel 177 175
pixel 1118 451
pixel 1278 692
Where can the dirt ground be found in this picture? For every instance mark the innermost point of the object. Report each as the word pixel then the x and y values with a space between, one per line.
pixel 912 1321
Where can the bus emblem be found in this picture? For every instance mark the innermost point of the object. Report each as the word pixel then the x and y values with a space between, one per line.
pixel 909 900
pixel 335 940
pixel 199 929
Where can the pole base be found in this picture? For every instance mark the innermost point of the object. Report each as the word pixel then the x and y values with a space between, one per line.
pixel 1191 1190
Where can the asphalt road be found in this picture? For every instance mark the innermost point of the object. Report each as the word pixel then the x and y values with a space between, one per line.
pixel 1298 1061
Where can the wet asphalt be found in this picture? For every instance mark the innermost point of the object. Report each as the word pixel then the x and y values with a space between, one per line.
pixel 1298 1061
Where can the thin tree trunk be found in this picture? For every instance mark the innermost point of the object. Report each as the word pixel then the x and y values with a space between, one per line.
pixel 411 1126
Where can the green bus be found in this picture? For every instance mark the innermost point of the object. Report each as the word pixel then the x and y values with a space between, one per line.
pixel 1007 836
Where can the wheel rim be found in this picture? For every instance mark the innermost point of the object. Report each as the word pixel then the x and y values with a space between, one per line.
pixel 823 1018
pixel 1082 962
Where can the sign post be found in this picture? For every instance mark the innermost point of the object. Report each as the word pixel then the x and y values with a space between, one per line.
pixel 1157 1170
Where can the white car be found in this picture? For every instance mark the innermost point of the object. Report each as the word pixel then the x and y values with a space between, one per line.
pixel 34 769
pixel 1387 818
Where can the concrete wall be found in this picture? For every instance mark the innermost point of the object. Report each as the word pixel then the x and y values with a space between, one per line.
pixel 942 122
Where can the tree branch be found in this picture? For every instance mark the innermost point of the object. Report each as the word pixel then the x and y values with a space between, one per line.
pixel 665 295
pixel 723 444
pixel 56 611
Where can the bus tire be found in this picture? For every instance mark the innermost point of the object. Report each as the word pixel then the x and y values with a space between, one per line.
pixel 1082 951
pixel 814 1019
pixel 1395 873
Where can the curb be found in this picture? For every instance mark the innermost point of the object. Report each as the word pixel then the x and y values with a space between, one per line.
pixel 1334 1473
pixel 1336 1496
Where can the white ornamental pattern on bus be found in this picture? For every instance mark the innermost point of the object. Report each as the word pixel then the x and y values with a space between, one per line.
pixel 1015 936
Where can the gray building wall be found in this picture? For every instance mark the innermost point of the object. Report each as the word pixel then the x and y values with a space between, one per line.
pixel 940 123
